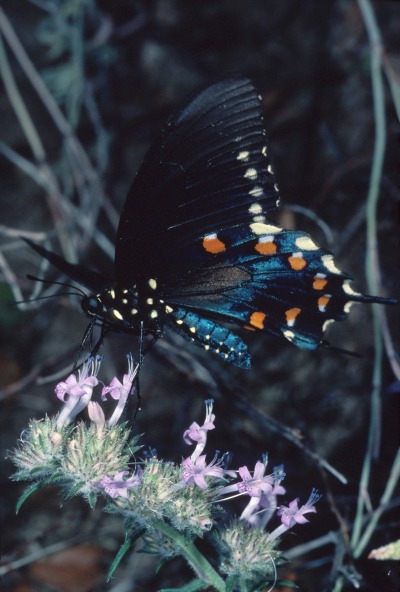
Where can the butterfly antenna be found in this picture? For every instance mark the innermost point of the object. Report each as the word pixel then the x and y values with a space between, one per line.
pixel 54 283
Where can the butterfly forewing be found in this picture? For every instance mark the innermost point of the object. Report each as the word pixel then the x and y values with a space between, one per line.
pixel 205 172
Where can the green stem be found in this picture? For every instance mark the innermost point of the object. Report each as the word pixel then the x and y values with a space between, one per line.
pixel 196 560
pixel 372 252
pixel 385 499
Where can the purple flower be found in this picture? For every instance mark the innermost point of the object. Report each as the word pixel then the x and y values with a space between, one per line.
pixel 257 484
pixel 84 384
pixel 198 433
pixel 120 391
pixel 79 390
pixel 117 486
pixel 96 414
pixel 292 514
pixel 260 514
pixel 194 471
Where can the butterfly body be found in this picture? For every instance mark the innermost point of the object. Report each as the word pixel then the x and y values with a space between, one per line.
pixel 196 247
pixel 124 311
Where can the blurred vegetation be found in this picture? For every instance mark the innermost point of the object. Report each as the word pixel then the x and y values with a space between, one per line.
pixel 87 86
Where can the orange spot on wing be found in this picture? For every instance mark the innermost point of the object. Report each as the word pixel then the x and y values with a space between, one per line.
pixel 319 283
pixel 266 248
pixel 323 301
pixel 291 315
pixel 213 245
pixel 257 320
pixel 297 263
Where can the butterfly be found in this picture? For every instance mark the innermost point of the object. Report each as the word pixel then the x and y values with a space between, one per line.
pixel 195 248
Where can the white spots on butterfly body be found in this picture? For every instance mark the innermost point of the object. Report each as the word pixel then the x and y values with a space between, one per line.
pixel 117 314
pixel 305 243
pixel 259 228
pixel 256 191
pixel 243 155
pixel 328 262
pixel 251 174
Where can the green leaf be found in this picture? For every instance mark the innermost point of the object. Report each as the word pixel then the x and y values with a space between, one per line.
pixel 130 539
pixel 27 493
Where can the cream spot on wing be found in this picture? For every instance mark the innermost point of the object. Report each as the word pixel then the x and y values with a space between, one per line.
pixel 328 262
pixel 260 228
pixel 255 208
pixel 327 323
pixel 117 314
pixel 348 289
pixel 347 306
pixel 152 283
pixel 289 335
pixel 251 174
pixel 256 191
pixel 305 243
pixel 243 155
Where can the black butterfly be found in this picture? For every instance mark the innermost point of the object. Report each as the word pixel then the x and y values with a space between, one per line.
pixel 194 247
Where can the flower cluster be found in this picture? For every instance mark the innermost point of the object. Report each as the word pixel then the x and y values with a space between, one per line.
pixel 170 504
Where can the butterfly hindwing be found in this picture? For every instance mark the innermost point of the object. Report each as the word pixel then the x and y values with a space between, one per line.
pixel 268 279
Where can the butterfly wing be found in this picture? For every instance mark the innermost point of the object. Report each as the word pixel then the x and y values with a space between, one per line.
pixel 205 171
pixel 195 220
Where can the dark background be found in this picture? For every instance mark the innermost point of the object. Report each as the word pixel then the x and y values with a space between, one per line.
pixel 137 60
